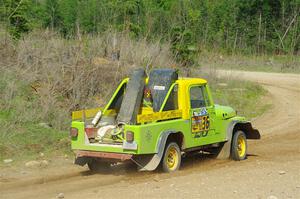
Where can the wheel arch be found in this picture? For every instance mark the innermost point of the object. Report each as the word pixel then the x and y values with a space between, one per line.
pixel 164 136
pixel 234 126
pixel 177 137
pixel 169 135
pixel 247 128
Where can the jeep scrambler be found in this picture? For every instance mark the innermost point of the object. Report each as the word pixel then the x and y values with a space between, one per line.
pixel 154 119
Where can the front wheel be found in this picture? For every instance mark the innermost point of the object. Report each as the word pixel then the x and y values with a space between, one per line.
pixel 172 158
pixel 239 146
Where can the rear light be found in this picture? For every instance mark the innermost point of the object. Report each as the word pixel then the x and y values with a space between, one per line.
pixel 73 132
pixel 129 136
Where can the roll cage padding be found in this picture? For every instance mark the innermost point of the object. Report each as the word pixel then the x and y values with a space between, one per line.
pixel 160 81
pixel 133 98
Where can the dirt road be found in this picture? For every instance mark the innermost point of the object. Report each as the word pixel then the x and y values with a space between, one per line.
pixel 272 169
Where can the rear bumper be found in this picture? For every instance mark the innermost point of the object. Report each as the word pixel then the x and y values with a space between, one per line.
pixel 104 155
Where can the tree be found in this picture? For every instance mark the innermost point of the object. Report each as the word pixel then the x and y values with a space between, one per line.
pixel 18 17
pixel 52 15
pixel 69 13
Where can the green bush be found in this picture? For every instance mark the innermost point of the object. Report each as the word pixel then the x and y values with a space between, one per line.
pixel 182 46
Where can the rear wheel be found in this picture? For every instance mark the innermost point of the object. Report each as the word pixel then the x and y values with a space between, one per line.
pixel 98 166
pixel 239 146
pixel 172 157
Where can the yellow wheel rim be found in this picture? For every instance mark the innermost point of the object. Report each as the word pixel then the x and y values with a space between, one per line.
pixel 241 146
pixel 172 158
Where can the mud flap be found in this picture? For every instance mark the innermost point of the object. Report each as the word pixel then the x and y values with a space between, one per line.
pixel 224 150
pixel 147 162
pixel 133 97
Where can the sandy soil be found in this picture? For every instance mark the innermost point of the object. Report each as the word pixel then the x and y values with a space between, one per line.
pixel 272 169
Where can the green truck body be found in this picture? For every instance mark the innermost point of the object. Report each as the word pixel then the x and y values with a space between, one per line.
pixel 197 124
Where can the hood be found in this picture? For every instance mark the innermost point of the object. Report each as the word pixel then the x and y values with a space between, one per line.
pixel 224 112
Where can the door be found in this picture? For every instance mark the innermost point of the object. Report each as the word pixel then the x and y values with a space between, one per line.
pixel 202 113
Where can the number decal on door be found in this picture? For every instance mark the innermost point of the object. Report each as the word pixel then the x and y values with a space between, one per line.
pixel 200 121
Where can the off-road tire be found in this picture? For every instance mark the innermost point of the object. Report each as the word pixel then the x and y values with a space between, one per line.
pixel 97 166
pixel 238 146
pixel 172 157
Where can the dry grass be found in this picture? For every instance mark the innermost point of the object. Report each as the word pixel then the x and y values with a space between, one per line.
pixel 52 76
pixel 72 74
pixel 43 77
pixel 266 63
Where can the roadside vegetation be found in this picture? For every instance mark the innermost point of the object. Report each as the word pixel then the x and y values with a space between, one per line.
pixel 229 27
pixel 244 96
pixel 57 56
pixel 264 63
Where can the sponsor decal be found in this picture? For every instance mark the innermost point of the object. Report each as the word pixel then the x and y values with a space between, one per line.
pixel 159 88
pixel 201 134
pixel 200 122
pixel 203 111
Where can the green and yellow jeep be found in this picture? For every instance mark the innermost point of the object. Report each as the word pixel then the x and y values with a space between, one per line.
pixel 154 119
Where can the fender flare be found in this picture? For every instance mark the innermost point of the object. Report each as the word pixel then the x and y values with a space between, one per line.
pixel 152 164
pixel 230 128
pixel 226 148
pixel 251 133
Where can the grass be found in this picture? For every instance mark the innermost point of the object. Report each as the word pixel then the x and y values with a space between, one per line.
pixel 264 63
pixel 244 96
pixel 22 135
pixel 25 141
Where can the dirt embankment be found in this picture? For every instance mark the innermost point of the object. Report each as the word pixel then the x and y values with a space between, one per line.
pixel 272 169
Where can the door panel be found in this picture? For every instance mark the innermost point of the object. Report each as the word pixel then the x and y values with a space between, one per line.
pixel 202 114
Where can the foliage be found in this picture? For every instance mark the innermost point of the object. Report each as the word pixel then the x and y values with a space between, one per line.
pixel 231 26
pixel 183 47
pixel 18 17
